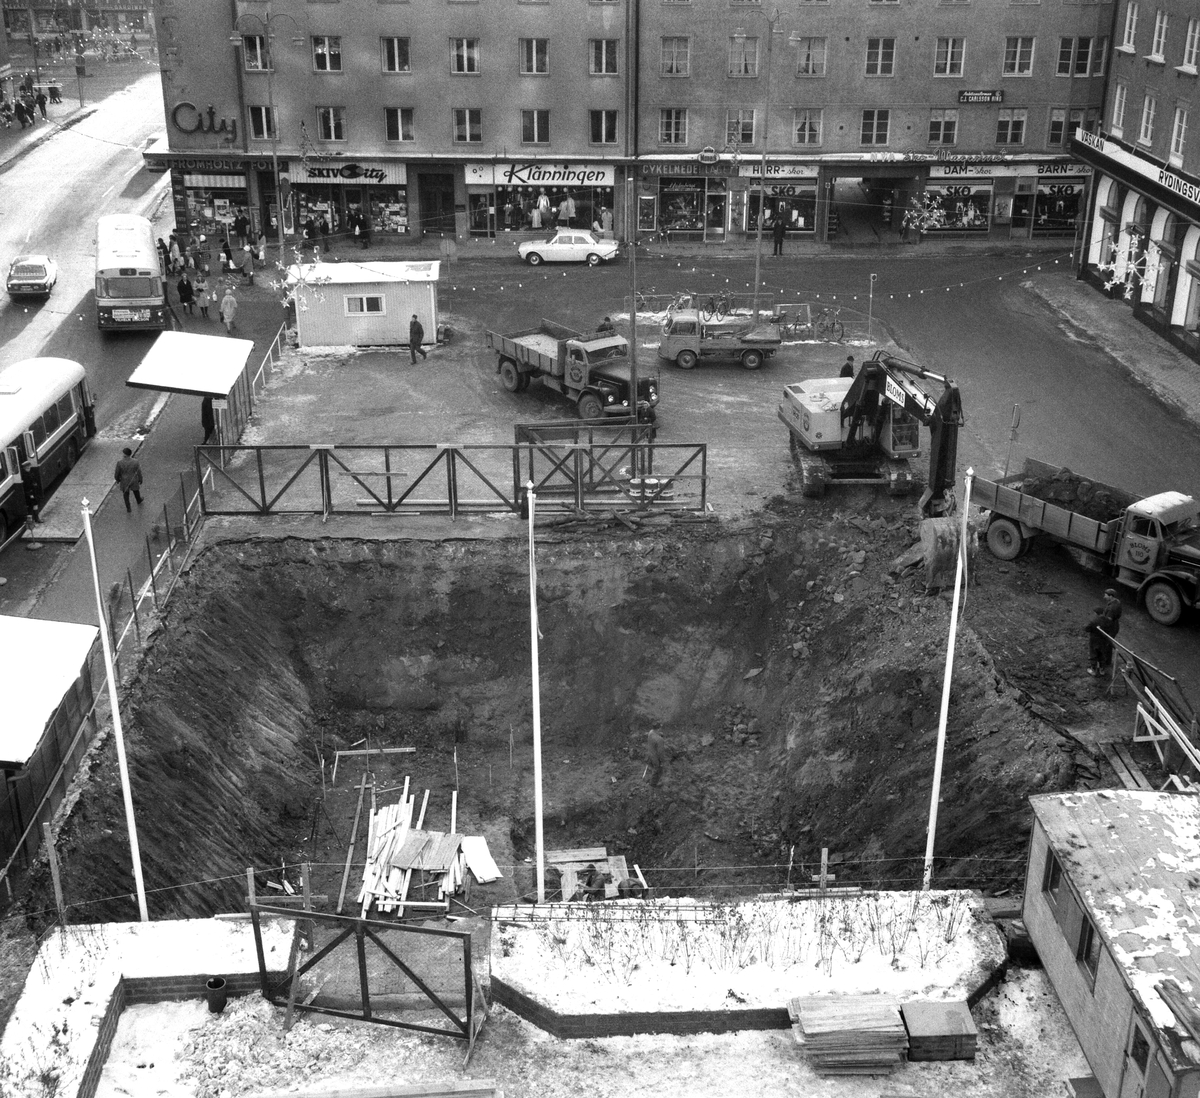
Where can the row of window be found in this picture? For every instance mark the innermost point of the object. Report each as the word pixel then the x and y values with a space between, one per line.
pixel 1077 56
pixel 1159 49
pixel 1149 118
pixel 741 125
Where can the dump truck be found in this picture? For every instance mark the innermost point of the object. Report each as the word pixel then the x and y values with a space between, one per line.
pixel 686 338
pixel 1150 544
pixel 590 368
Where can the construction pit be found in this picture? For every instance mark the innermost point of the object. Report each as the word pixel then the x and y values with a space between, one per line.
pixel 795 676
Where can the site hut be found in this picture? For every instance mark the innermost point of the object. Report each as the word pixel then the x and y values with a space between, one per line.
pixel 1110 905
pixel 46 683
pixel 364 304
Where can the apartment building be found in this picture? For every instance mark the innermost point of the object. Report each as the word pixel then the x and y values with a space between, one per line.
pixel 467 117
pixel 493 117
pixel 1143 231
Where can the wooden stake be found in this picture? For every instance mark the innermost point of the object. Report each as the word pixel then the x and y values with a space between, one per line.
pixel 824 877
pixel 421 817
pixel 456 768
pixel 362 787
pixel 454 812
pixel 52 855
pixel 510 746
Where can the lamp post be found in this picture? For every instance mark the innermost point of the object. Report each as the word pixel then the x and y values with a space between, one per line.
pixel 237 39
pixel 739 34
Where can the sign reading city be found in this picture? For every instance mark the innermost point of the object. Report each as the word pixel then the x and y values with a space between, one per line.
pixel 188 118
pixel 988 96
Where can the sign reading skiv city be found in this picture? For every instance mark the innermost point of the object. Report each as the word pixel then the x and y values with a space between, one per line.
pixel 350 171
pixel 532 174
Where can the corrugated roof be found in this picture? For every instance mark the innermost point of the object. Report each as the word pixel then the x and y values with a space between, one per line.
pixel 1134 858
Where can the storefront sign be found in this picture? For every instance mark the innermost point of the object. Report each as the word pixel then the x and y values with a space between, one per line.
pixel 351 171
pixel 779 171
pixel 531 174
pixel 996 171
pixel 684 167
pixel 190 163
pixel 1186 188
pixel 991 96
pixel 188 118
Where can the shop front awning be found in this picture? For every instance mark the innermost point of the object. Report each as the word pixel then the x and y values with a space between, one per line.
pixel 199 365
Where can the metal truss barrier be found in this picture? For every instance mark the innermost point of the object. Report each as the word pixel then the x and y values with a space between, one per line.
pixel 587 469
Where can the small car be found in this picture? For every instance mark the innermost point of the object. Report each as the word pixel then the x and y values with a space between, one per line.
pixel 32 276
pixel 568 246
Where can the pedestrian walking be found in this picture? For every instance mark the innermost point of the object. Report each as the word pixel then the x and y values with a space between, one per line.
pixel 229 308
pixel 778 229
pixel 164 255
pixel 214 299
pixel 200 286
pixel 187 293
pixel 128 475
pixel 227 256
pixel 261 249
pixel 416 336
pixel 208 418
pixel 323 229
pixel 40 100
pixel 22 114
pixel 656 755
pixel 241 227
pixel 847 369
pixel 248 264
pixel 175 254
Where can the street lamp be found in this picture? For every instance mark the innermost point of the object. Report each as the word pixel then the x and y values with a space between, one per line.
pixel 238 39
pixel 740 35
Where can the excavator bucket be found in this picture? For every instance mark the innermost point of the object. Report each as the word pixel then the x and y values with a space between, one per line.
pixel 940 539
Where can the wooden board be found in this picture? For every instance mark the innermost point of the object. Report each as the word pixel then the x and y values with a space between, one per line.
pixel 584 854
pixel 1129 778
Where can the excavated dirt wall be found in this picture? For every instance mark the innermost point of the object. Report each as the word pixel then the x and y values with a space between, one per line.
pixel 797 684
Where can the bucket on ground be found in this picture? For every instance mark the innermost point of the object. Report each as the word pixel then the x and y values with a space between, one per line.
pixel 216 993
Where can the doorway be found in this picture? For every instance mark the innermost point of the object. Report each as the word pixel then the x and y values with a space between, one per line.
pixel 435 191
pixel 714 215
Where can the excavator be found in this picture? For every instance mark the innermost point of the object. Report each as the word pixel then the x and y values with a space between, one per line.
pixel 864 430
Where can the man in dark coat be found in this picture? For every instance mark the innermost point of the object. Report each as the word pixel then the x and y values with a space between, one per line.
pixel 208 419
pixel 847 369
pixel 778 229
pixel 128 475
pixel 416 336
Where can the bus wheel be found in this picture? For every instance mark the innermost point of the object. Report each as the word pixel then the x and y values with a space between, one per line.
pixel 72 453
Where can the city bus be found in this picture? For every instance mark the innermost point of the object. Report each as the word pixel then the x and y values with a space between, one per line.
pixel 130 284
pixel 47 416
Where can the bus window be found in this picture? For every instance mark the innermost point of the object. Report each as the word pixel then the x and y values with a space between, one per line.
pixel 130 287
pixel 39 431
pixel 66 409
pixel 50 419
pixel 4 473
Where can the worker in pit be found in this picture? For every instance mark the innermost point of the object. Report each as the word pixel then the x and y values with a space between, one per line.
pixel 656 754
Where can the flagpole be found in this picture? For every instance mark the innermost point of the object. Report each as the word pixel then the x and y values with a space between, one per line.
pixel 539 838
pixel 118 733
pixel 945 710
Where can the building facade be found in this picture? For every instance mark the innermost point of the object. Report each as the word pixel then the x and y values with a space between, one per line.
pixel 494 117
pixel 1143 228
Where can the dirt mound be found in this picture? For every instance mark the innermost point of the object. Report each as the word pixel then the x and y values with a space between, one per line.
pixel 1096 501
pixel 797 685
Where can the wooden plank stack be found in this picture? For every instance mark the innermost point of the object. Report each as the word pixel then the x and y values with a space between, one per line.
pixel 850 1034
pixel 940 1031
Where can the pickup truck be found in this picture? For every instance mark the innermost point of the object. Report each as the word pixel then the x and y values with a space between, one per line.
pixel 1151 545
pixel 686 339
pixel 591 369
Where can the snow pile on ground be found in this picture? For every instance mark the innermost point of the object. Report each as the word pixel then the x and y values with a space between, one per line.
pixel 697 955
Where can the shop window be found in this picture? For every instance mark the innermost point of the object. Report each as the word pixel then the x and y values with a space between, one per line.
pixel 603 56
pixel 807 125
pixel 672 126
pixel 948 57
pixel 262 123
pixel 1129 37
pixel 331 123
pixel 1118 111
pixel 943 127
pixel 1018 57
pixel 468 124
pixel 398 124
pixel 535 127
pixel 394 54
pixel 743 55
pixel 1087 953
pixel 254 52
pixel 739 126
pixel 464 56
pixel 1158 46
pixel 1191 46
pixel 327 53
pixel 535 56
pixel 875 127
pixel 603 127
pixel 365 305
pixel 1058 126
pixel 813 52
pixel 675 57
pixel 1010 127
pixel 1146 131
pixel 881 56
pixel 1179 133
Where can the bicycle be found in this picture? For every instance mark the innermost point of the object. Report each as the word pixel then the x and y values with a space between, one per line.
pixel 828 327
pixel 718 305
pixel 650 302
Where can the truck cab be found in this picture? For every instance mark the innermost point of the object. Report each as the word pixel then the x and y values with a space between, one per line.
pixel 1158 552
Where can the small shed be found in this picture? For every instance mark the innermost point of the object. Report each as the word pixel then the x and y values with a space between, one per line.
pixel 364 304
pixel 46 683
pixel 1111 906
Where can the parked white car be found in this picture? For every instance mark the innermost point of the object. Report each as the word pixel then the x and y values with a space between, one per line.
pixel 31 276
pixel 568 246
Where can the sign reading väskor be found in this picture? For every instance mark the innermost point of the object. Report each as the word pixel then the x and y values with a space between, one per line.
pixel 534 174
pixel 350 171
